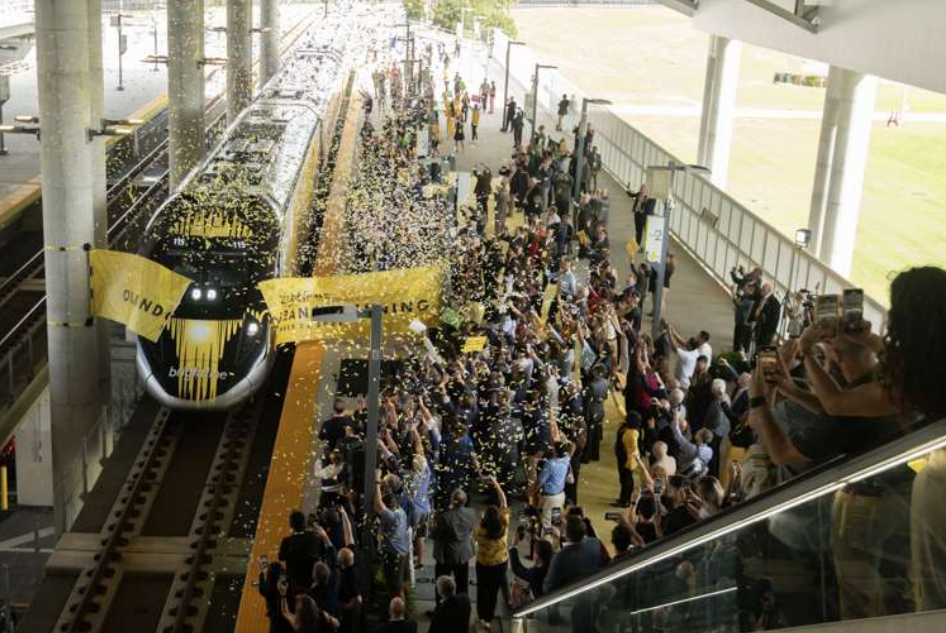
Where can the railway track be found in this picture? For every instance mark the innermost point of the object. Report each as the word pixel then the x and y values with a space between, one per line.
pixel 158 549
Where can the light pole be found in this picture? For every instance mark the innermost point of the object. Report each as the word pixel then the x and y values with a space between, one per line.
pixel 408 61
pixel 509 45
pixel 582 126
pixel 154 32
pixel 658 229
pixel 117 21
pixel 4 97
pixel 350 314
pixel 802 239
pixel 535 95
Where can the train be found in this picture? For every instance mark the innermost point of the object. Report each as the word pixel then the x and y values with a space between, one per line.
pixel 239 218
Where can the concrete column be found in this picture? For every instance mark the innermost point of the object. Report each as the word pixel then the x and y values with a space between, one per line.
pixel 269 44
pixel 719 107
pixel 843 151
pixel 239 56
pixel 63 63
pixel 185 86
pixel 100 185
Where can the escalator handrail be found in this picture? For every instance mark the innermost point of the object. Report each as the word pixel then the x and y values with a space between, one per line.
pixel 820 481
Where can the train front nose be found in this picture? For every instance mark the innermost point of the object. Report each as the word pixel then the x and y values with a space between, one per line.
pixel 206 364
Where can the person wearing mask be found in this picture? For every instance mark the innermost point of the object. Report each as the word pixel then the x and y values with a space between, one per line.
pixel 397 619
pixel 492 555
pixel 453 541
pixel 453 611
pixel 302 549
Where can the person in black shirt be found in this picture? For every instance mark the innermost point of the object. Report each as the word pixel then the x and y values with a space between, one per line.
pixel 325 590
pixel 541 560
pixel 333 429
pixel 349 591
pixel 303 548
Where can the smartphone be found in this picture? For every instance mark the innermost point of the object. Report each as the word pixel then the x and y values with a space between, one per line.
pixel 612 516
pixel 853 305
pixel 556 515
pixel 768 361
pixel 658 486
pixel 263 561
pixel 827 306
pixel 548 531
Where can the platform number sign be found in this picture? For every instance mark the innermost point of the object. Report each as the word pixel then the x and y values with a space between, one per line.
pixel 654 238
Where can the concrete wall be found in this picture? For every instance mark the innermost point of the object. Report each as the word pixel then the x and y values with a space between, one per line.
pixel 34 484
pixel 903 40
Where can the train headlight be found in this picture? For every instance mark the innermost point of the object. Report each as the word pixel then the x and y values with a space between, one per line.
pixel 197 294
pixel 252 328
pixel 211 294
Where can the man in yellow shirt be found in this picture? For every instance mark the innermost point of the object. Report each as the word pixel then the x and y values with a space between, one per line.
pixel 625 449
pixel 474 123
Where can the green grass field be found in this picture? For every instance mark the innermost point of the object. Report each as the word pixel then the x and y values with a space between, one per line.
pixel 651 56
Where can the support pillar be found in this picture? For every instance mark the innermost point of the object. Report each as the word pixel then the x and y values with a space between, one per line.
pixel 269 43
pixel 843 151
pixel 63 63
pixel 100 183
pixel 185 87
pixel 239 57
pixel 719 107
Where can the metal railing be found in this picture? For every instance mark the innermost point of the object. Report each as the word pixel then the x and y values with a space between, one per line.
pixel 716 228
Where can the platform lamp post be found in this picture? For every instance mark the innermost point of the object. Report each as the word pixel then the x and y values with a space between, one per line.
pixel 117 21
pixel 535 95
pixel 4 97
pixel 661 180
pixel 350 314
pixel 582 128
pixel 509 45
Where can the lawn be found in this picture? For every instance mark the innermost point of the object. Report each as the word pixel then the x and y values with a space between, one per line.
pixel 651 56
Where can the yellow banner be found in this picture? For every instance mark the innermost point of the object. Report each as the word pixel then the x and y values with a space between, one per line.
pixel 474 344
pixel 406 295
pixel 135 291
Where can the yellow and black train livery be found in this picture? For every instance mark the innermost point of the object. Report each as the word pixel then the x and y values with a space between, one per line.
pixel 238 220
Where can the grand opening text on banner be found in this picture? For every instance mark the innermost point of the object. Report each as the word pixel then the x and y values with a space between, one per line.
pixel 135 291
pixel 409 294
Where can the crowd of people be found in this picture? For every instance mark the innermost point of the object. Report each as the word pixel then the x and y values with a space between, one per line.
pixel 508 403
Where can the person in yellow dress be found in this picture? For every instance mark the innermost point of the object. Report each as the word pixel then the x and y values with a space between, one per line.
pixel 492 555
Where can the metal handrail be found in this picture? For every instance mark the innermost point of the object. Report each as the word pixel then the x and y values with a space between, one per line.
pixel 15 330
pixel 816 483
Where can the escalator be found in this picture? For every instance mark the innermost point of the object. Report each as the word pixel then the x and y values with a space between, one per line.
pixel 842 545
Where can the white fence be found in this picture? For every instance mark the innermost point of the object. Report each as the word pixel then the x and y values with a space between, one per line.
pixel 708 222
